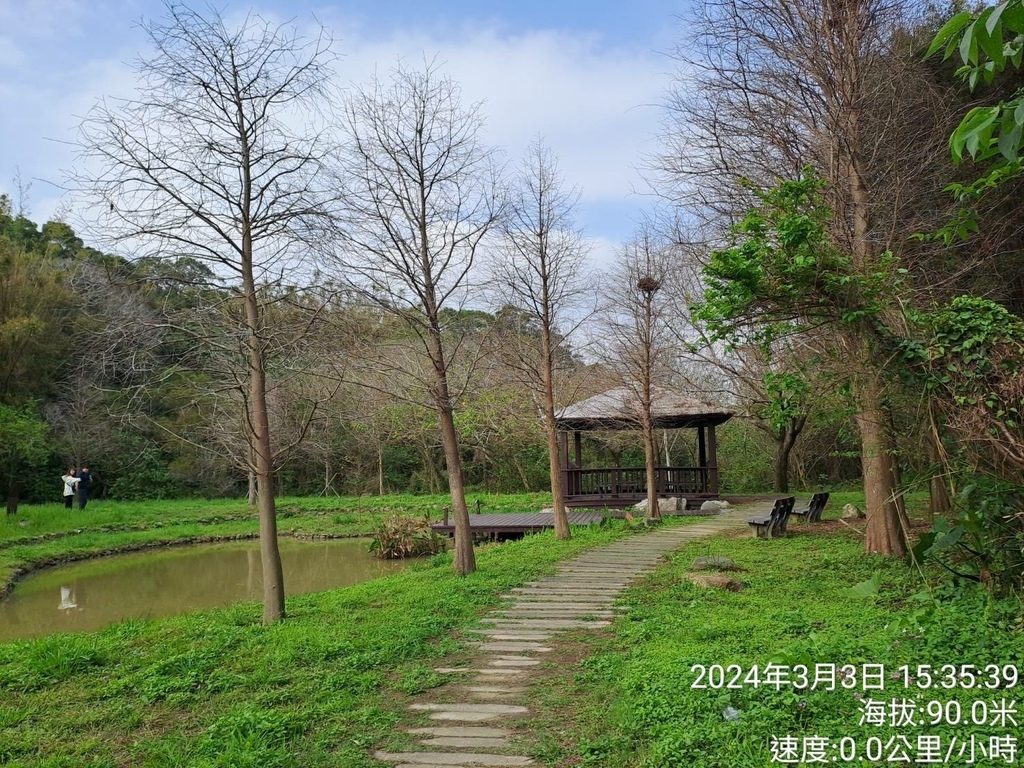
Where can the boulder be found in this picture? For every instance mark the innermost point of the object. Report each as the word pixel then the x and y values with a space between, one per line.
pixel 714 505
pixel 670 504
pixel 851 512
pixel 716 581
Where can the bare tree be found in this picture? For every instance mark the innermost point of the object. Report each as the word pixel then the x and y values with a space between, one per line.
pixel 640 340
pixel 537 271
pixel 423 192
pixel 219 158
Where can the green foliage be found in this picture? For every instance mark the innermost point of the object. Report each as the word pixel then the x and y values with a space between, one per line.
pixel 972 355
pixel 403 536
pixel 149 477
pixel 987 44
pixel 22 444
pixel 252 736
pixel 787 393
pixel 984 539
pixel 782 275
pixel 52 660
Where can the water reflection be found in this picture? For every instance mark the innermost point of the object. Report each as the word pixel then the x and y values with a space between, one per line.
pixel 67 599
pixel 93 594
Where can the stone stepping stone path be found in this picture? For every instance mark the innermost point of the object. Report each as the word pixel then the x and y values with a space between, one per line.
pixel 491 691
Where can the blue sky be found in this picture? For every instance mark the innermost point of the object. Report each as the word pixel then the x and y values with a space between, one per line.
pixel 588 76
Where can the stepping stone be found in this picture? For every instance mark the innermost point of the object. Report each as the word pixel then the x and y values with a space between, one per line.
pixel 501 634
pixel 515 663
pixel 493 689
pixel 453 758
pixel 515 623
pixel 464 717
pixel 512 646
pixel 476 670
pixel 565 610
pixel 460 742
pixel 487 709
pixel 464 731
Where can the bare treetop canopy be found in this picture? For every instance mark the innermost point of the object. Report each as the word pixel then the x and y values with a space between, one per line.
pixel 619 409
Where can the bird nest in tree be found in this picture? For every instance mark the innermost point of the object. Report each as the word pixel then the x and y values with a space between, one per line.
pixel 648 284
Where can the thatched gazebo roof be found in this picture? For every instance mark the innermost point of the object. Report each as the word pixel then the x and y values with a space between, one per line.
pixel 619 408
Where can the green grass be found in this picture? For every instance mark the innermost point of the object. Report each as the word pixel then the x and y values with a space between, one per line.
pixel 218 689
pixel 42 534
pixel 631 700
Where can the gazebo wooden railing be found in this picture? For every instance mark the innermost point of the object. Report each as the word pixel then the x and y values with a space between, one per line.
pixel 616 409
pixel 615 486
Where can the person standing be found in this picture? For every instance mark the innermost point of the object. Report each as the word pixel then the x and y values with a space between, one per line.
pixel 84 481
pixel 70 487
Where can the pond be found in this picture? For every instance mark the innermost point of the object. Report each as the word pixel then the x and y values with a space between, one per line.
pixel 92 594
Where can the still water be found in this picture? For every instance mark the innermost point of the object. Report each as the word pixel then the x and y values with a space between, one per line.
pixel 95 593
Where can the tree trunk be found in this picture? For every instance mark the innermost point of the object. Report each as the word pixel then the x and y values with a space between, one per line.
pixel 252 493
pixel 783 447
pixel 885 531
pixel 270 555
pixel 464 559
pixel 13 496
pixel 554 469
pixel 785 443
pixel 650 458
pixel 938 492
pixel 380 468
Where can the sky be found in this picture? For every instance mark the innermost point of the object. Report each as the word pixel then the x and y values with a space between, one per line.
pixel 588 77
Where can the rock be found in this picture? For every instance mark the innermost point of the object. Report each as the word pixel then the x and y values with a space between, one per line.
pixel 714 505
pixel 670 504
pixel 713 563
pixel 851 512
pixel 716 581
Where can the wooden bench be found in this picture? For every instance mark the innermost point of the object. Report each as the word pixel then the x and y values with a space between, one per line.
pixel 812 512
pixel 774 523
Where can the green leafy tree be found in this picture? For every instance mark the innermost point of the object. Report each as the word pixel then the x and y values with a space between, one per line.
pixel 36 309
pixel 22 444
pixel 782 275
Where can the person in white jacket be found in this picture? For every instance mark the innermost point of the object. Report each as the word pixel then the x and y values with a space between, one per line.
pixel 70 488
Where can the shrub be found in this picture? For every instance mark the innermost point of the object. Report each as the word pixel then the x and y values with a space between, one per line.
pixel 405 536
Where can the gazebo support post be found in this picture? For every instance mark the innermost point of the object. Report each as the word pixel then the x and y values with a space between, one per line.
pixel 712 461
pixel 702 460
pixel 563 461
pixel 577 445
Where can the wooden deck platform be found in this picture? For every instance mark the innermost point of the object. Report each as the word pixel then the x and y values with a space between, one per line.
pixel 495 526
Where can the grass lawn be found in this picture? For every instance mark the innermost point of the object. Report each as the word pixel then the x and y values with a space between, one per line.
pixel 333 680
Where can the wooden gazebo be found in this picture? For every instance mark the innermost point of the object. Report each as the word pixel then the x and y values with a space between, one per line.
pixel 624 486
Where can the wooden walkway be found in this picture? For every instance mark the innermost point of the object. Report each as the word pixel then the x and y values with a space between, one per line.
pixel 526 522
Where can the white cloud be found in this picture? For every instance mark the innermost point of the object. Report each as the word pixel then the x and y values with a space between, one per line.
pixel 592 103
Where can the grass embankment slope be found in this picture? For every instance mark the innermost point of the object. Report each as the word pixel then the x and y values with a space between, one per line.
pixel 217 689
pixel 41 535
pixel 629 701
